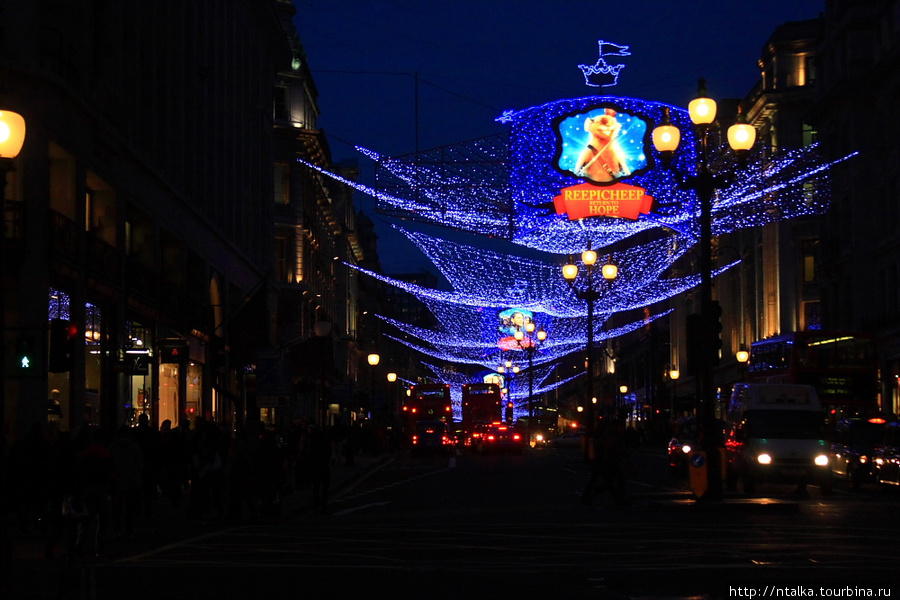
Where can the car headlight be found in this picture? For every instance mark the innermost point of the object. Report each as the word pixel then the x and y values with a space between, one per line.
pixel 539 438
pixel 686 448
pixel 822 460
pixel 863 459
pixel 764 459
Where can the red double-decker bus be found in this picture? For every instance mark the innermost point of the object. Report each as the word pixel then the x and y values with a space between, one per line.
pixel 429 402
pixel 841 367
pixel 482 403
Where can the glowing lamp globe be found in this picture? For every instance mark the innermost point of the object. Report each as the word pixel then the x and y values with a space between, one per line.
pixel 589 257
pixel 570 272
pixel 741 136
pixel 666 138
pixel 374 359
pixel 674 374
pixel 742 356
pixel 609 271
pixel 702 111
pixel 12 134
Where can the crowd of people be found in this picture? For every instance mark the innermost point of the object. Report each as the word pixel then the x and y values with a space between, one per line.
pixel 85 488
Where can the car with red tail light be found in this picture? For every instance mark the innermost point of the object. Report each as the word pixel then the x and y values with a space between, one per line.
pixel 499 437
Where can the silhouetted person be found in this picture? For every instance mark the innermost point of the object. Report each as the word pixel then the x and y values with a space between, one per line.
pixel 29 461
pixel 96 466
pixel 147 437
pixel 128 464
pixel 66 502
pixel 172 463
pixel 268 468
pixel 317 454
pixel 608 456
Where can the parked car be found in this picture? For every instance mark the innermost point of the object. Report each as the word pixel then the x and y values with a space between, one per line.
pixel 432 436
pixel 855 441
pixel 684 439
pixel 569 439
pixel 887 456
pixel 499 437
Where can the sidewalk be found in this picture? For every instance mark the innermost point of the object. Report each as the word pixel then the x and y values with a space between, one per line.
pixel 30 575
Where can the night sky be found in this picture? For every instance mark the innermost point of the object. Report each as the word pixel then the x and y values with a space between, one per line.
pixel 476 58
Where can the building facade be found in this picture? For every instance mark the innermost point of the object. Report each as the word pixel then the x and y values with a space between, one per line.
pixel 160 240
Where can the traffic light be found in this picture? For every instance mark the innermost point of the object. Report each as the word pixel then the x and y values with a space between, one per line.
pixel 26 362
pixel 694 343
pixel 63 345
pixel 713 331
pixel 704 339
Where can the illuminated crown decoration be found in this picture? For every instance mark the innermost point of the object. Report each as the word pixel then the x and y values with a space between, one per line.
pixel 601 73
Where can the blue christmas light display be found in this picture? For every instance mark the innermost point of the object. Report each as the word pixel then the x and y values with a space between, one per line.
pixel 504 187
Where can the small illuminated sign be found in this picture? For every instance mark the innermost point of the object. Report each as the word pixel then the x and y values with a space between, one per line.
pixel 617 200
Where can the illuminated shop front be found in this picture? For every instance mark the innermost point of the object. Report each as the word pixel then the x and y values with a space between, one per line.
pixel 181 382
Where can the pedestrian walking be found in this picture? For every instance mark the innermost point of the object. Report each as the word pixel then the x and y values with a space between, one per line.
pixel 317 458
pixel 608 458
pixel 128 465
pixel 96 467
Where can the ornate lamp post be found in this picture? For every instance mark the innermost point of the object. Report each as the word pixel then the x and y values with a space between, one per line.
pixel 743 357
pixel 322 329
pixel 373 360
pixel 392 379
pixel 582 282
pixel 741 137
pixel 674 374
pixel 12 137
pixel 529 341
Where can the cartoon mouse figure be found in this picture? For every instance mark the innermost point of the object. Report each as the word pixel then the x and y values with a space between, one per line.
pixel 602 160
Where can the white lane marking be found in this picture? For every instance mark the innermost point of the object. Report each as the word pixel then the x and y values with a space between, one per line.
pixel 356 508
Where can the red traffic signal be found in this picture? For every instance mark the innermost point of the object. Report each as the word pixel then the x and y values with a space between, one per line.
pixel 64 343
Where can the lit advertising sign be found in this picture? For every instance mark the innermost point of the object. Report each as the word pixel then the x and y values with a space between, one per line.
pixel 510 320
pixel 495 378
pixel 602 146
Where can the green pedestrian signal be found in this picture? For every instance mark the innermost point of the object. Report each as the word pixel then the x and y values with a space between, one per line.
pixel 26 359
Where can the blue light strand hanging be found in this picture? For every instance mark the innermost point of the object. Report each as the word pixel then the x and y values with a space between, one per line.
pixel 563 305
pixel 533 143
pixel 481 354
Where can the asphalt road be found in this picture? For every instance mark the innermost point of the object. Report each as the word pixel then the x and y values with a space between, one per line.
pixel 514 526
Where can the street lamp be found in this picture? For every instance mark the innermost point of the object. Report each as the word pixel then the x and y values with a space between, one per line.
pixel 743 357
pixel 587 292
pixel 12 137
pixel 392 378
pixel 741 137
pixel 373 359
pixel 674 374
pixel 529 341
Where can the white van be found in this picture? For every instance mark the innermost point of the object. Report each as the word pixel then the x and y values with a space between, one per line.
pixel 776 432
